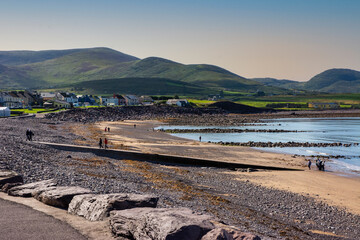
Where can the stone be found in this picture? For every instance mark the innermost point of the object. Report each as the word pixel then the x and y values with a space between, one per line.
pixel 239 235
pixel 160 223
pixel 31 189
pixel 229 234
pixel 60 196
pixel 8 186
pixel 217 234
pixel 96 207
pixel 9 177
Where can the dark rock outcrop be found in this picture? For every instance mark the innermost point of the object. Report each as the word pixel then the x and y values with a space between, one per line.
pixel 9 177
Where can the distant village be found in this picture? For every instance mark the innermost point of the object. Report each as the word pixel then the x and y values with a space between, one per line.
pixel 28 99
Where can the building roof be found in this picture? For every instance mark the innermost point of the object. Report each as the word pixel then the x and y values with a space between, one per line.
pixel 47 95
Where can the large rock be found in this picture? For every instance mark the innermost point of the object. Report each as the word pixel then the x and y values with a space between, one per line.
pixel 97 207
pixel 222 234
pixel 8 186
pixel 31 189
pixel 160 223
pixel 9 177
pixel 60 196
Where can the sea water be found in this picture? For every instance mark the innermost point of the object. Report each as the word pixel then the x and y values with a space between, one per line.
pixel 312 130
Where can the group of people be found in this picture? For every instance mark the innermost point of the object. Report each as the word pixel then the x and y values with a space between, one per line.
pixel 103 145
pixel 319 163
pixel 107 129
pixel 29 135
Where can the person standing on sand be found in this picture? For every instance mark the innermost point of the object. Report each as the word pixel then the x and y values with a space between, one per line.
pixel 106 142
pixel 309 164
pixel 105 129
pixel 27 135
pixel 200 138
pixel 100 143
pixel 31 134
pixel 134 125
pixel 108 129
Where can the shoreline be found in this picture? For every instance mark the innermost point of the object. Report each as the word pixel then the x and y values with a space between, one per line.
pixel 331 189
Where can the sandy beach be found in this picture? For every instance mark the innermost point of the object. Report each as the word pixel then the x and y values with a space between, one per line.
pixel 329 187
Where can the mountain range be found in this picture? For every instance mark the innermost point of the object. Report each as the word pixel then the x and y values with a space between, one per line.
pixel 104 70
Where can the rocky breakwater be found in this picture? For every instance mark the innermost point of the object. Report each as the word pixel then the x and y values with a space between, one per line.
pixel 225 130
pixel 286 144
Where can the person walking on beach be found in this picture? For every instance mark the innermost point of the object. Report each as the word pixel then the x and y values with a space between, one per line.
pixel 134 125
pixel 105 129
pixel 108 129
pixel 27 135
pixel 100 143
pixel 106 142
pixel 309 164
pixel 31 134
pixel 200 138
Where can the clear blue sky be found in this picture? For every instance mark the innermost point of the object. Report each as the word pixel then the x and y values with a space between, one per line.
pixel 293 39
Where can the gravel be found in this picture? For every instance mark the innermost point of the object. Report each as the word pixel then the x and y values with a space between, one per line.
pixel 270 213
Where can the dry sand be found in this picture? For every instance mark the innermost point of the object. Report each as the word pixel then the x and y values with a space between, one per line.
pixel 336 190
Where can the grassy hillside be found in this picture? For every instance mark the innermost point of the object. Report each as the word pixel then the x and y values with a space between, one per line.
pixel 335 81
pixel 76 67
pixel 140 86
pixel 13 58
pixel 283 83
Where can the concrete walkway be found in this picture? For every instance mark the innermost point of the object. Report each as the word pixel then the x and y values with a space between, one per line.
pixel 18 221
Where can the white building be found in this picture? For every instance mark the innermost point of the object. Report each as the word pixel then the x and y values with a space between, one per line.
pixel 178 102
pixel 68 97
pixel 5 112
pixel 11 100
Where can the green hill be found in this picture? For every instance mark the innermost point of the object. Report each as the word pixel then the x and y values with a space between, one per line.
pixel 283 83
pixel 59 68
pixel 335 81
pixel 140 86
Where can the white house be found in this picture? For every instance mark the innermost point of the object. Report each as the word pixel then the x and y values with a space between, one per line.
pixel 146 100
pixel 5 112
pixel 68 97
pixel 178 102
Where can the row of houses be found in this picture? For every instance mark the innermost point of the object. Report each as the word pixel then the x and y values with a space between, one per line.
pixel 72 100
pixel 19 99
pixel 25 99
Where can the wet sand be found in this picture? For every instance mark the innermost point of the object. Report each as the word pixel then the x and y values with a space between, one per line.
pixel 335 190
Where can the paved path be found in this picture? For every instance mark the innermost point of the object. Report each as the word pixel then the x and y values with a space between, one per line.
pixel 21 222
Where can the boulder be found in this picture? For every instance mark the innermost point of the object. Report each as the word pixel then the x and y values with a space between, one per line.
pixel 226 234
pixel 96 207
pixel 9 177
pixel 160 223
pixel 31 189
pixel 238 235
pixel 217 234
pixel 60 196
pixel 8 186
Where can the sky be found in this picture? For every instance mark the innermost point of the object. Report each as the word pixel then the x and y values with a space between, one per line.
pixel 284 39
